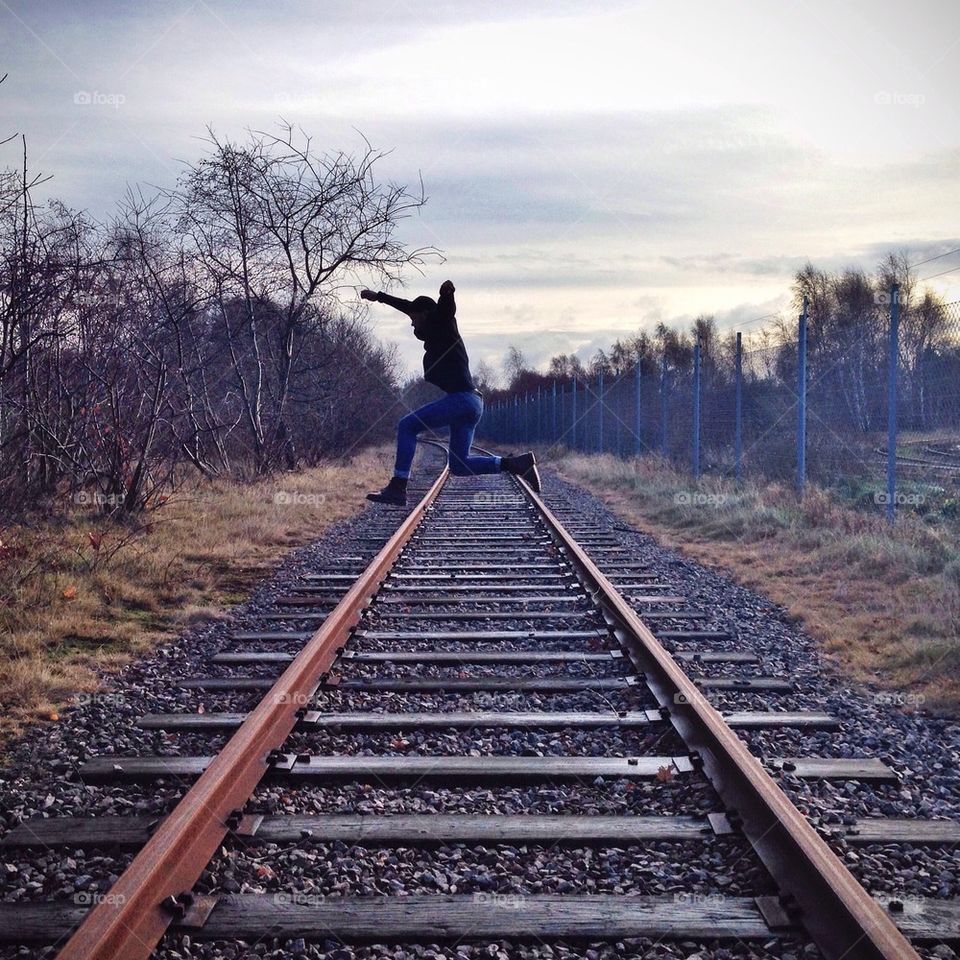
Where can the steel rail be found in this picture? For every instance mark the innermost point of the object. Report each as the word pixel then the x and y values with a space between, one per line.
pixel 156 887
pixel 817 891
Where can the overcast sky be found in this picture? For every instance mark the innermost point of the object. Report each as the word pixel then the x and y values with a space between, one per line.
pixel 593 168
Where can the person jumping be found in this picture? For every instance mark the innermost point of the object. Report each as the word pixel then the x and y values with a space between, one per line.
pixel 446 365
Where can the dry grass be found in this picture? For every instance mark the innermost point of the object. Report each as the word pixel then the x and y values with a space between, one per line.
pixel 884 603
pixel 79 594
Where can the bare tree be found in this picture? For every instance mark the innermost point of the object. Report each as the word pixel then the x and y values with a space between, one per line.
pixel 514 364
pixel 200 327
pixel 273 222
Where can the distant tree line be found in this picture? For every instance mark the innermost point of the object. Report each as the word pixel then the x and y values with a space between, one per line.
pixel 200 328
pixel 847 352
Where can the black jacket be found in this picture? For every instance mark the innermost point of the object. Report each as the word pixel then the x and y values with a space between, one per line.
pixel 445 360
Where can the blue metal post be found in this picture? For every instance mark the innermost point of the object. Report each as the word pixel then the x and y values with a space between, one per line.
pixel 573 416
pixel 696 411
pixel 738 425
pixel 637 420
pixel 515 433
pixel 802 400
pixel 663 408
pixel 538 432
pixel 554 433
pixel 600 413
pixel 892 364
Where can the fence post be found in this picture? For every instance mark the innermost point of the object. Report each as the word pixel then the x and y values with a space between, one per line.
pixel 637 421
pixel 892 364
pixel 573 415
pixel 738 422
pixel 696 410
pixel 600 412
pixel 663 408
pixel 802 400
pixel 554 432
pixel 538 434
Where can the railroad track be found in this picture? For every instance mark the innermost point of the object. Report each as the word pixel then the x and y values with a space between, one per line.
pixel 484 646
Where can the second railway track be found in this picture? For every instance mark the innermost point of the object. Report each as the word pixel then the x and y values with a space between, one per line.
pixel 553 698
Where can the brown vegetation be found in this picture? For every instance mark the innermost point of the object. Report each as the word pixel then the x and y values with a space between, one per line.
pixel 884 603
pixel 201 328
pixel 81 592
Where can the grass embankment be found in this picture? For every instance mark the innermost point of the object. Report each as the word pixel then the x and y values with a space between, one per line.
pixel 884 603
pixel 79 593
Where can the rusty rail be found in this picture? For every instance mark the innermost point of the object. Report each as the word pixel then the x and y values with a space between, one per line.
pixel 816 888
pixel 156 888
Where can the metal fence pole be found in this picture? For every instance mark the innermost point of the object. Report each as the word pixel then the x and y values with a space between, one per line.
pixel 892 364
pixel 802 400
pixel 538 433
pixel 637 423
pixel 696 411
pixel 515 433
pixel 600 413
pixel 573 415
pixel 738 422
pixel 663 408
pixel 554 433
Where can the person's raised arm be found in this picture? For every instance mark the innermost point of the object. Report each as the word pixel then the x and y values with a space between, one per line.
pixel 446 305
pixel 398 303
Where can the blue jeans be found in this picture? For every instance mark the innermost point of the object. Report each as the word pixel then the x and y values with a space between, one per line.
pixel 461 412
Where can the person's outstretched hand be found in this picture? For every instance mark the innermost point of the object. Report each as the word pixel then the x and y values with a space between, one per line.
pixel 368 295
pixel 446 287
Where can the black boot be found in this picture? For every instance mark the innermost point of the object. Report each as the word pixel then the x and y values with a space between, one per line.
pixel 394 492
pixel 525 467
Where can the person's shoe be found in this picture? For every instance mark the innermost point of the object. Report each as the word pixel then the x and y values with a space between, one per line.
pixel 395 492
pixel 525 467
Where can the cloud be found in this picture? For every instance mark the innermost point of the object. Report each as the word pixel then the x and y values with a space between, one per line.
pixel 590 168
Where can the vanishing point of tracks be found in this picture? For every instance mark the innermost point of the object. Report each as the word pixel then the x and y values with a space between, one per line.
pixel 483 610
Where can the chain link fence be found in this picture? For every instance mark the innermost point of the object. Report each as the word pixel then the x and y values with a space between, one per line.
pixel 820 401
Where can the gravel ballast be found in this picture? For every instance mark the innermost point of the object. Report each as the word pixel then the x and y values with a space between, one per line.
pixel 40 777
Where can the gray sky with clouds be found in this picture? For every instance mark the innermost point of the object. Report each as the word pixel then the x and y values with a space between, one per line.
pixel 593 168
